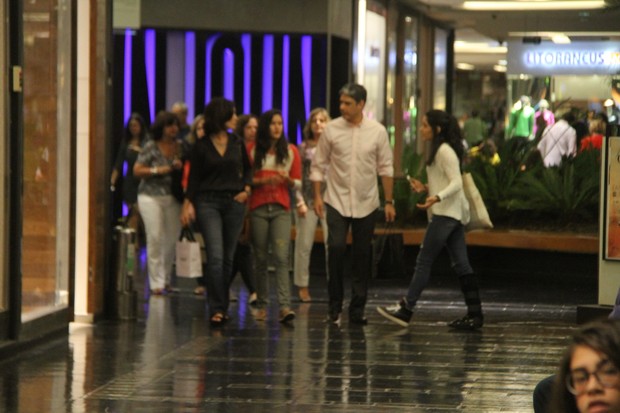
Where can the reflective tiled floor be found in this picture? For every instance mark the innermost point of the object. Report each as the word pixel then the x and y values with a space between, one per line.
pixel 170 360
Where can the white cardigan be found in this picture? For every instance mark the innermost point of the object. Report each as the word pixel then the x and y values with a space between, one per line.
pixel 444 180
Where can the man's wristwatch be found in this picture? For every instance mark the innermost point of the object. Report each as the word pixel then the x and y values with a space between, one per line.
pixel 391 202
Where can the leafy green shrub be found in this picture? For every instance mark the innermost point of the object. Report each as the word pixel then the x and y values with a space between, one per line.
pixel 521 191
pixel 569 191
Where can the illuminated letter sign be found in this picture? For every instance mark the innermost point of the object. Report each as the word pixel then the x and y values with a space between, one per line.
pixel 579 58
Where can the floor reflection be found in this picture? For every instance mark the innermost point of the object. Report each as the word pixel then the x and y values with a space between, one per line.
pixel 170 360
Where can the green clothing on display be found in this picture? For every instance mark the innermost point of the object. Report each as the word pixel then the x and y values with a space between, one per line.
pixel 521 123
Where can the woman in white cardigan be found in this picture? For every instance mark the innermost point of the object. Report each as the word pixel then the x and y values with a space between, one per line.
pixel 448 213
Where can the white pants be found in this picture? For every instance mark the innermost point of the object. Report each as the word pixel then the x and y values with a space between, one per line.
pixel 161 216
pixel 304 240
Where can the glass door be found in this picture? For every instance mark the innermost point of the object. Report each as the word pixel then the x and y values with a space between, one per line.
pixel 46 157
pixel 4 194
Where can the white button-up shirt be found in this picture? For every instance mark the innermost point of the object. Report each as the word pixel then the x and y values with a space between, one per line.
pixel 349 157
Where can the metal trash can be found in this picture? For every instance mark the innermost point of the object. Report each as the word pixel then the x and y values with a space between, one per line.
pixel 124 296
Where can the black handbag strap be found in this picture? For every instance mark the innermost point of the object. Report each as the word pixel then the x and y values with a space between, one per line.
pixel 389 229
pixel 188 234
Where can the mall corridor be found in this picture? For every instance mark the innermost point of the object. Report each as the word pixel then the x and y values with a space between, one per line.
pixel 170 360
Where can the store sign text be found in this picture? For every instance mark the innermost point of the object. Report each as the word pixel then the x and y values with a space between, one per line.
pixel 571 58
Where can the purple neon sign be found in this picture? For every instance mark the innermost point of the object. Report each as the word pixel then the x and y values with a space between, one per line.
pixel 229 85
pixel 190 71
pixel 127 75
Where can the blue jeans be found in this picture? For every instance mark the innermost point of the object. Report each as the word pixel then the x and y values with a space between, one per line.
pixel 271 226
pixel 440 232
pixel 220 219
pixel 362 230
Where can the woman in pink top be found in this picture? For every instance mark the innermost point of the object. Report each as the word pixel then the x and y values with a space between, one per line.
pixel 277 171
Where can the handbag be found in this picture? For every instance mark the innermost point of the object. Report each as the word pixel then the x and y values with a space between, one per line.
pixel 188 255
pixel 176 185
pixel 478 214
pixel 388 255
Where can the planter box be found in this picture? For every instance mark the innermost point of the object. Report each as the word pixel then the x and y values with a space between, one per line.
pixel 519 239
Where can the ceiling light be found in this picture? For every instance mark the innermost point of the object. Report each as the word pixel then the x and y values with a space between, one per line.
pixel 534 5
pixel 500 68
pixel 478 47
pixel 465 66
pixel 560 38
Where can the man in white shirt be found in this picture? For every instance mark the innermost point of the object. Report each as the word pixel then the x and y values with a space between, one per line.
pixel 352 151
pixel 558 140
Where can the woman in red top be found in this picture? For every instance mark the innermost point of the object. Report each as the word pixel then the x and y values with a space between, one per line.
pixel 595 139
pixel 277 171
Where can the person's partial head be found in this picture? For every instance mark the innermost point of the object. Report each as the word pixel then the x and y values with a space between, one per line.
pixel 197 130
pixel 270 135
pixel 246 127
pixel 543 104
pixel 598 123
pixel 474 113
pixel 590 370
pixel 438 127
pixel 352 101
pixel 569 116
pixel 525 101
pixel 180 110
pixel 220 115
pixel 270 127
pixel 166 124
pixel 135 127
pixel 316 123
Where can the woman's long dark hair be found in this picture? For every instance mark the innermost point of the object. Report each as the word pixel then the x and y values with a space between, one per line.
pixel 138 118
pixel 446 129
pixel 263 140
pixel 217 112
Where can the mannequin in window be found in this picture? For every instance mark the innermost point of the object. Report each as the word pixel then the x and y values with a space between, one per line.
pixel 521 122
pixel 544 113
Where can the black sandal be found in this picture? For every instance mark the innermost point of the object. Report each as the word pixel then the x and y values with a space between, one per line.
pixel 217 319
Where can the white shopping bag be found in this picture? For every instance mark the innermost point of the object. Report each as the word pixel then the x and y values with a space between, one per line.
pixel 188 259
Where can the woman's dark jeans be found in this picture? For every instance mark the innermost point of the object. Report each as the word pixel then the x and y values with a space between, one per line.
pixel 220 219
pixel 441 232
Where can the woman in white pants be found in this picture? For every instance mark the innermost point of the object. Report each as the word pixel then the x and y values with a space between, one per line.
pixel 307 219
pixel 158 165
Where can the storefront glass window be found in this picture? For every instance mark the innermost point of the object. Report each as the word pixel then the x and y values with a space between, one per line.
pixel 374 61
pixel 439 91
pixel 410 67
pixel 46 162
pixel 391 78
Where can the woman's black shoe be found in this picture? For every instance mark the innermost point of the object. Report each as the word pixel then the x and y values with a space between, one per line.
pixel 467 323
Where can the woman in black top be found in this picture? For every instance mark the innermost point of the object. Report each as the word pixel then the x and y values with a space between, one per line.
pixel 219 186
pixel 133 139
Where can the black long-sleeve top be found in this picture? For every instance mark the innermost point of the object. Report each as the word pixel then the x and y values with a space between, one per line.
pixel 210 171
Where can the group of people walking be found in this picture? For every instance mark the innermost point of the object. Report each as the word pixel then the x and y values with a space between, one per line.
pixel 330 179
